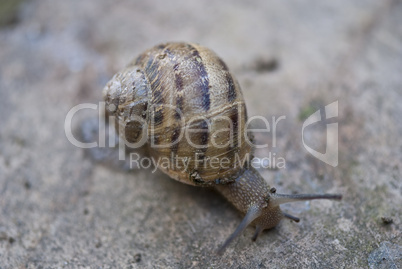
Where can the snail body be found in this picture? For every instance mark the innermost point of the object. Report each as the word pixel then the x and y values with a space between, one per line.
pixel 180 101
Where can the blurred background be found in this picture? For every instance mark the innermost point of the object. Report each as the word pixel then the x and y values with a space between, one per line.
pixel 58 208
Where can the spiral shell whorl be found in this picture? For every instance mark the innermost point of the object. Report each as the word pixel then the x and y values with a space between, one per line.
pixel 195 111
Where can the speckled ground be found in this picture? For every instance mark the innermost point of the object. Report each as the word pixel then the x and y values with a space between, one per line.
pixel 60 209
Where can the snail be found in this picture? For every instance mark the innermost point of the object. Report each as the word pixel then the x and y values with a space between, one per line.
pixel 179 101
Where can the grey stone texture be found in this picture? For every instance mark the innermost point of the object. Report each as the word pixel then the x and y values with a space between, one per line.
pixel 61 209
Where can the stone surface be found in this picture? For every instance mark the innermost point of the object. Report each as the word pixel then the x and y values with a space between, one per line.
pixel 59 209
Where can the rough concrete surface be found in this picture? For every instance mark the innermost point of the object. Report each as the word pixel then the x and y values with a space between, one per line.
pixel 60 209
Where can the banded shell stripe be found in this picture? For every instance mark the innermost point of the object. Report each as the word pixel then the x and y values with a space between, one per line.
pixel 152 70
pixel 202 74
pixel 231 87
pixel 204 138
pixel 178 79
pixel 234 118
pixel 199 139
pixel 223 87
pixel 162 46
pixel 175 144
pixel 179 107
